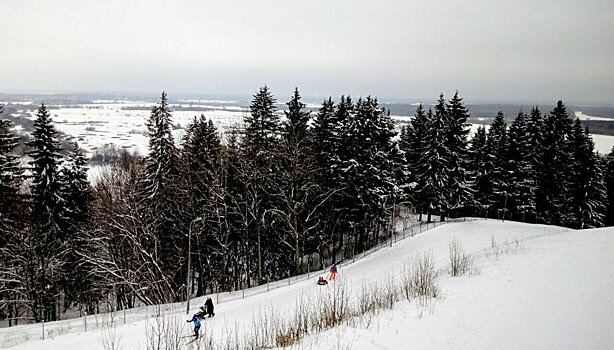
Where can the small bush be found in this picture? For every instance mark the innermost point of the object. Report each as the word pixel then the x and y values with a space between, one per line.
pixel 460 261
pixel 109 338
pixel 420 278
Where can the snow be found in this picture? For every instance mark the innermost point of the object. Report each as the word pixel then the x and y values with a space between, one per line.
pixel 551 288
pixel 583 116
pixel 109 122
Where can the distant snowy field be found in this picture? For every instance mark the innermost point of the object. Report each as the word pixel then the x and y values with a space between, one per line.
pixel 117 122
pixel 552 289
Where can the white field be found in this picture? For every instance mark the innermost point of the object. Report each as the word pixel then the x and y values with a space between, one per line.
pixel 552 289
pixel 108 123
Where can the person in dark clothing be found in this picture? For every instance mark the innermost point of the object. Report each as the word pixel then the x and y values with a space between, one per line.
pixel 322 281
pixel 209 307
pixel 201 313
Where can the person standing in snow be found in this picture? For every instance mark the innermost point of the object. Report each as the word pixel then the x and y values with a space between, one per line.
pixel 209 307
pixel 333 272
pixel 196 321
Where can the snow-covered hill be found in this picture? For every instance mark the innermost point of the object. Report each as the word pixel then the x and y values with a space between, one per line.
pixel 538 287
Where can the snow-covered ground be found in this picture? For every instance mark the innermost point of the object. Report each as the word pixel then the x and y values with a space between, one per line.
pixel 583 116
pixel 547 288
pixel 123 122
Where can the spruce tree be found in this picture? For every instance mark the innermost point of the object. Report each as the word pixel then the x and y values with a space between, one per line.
pixel 45 163
pixel 554 167
pixel 498 165
pixel 372 164
pixel 522 177
pixel 432 167
pixel 586 202
pixel 160 202
pixel 47 205
pixel 261 145
pixel 457 131
pixel 297 179
pixel 11 174
pixel 204 192
pixel 160 162
pixel 413 143
pixel 609 183
pixel 77 195
pixel 480 173
pixel 323 133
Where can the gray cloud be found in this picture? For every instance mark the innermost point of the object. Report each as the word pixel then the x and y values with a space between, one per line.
pixel 489 50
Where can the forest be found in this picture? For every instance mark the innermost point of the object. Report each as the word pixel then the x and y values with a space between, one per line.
pixel 284 192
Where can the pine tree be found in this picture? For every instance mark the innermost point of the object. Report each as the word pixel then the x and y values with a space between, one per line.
pixel 587 192
pixel 609 183
pixel 76 187
pixel 522 177
pixel 333 155
pixel 47 204
pixel 480 173
pixel 413 144
pixel 323 134
pixel 202 147
pixel 457 132
pixel 554 167
pixel 11 174
pixel 46 160
pixel 160 162
pixel 77 195
pixel 432 168
pixel 204 191
pixel 498 164
pixel 161 205
pixel 261 145
pixel 372 164
pixel 298 179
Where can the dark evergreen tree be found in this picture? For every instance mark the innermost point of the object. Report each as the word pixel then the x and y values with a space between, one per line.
pixel 457 131
pixel 413 144
pixel 77 195
pixel 498 165
pixel 586 202
pixel 609 183
pixel 11 174
pixel 204 190
pixel 480 171
pixel 47 207
pixel 300 194
pixel 162 208
pixel 12 220
pixel 371 166
pixel 343 203
pixel 160 162
pixel 554 167
pixel 522 176
pixel 261 145
pixel 432 167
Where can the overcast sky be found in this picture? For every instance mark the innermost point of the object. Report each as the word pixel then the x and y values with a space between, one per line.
pixel 500 51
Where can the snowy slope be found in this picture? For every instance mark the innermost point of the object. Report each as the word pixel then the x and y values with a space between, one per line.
pixel 549 288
